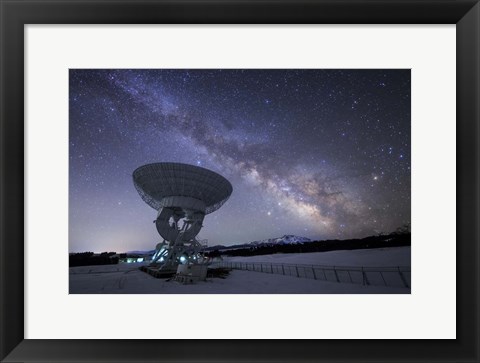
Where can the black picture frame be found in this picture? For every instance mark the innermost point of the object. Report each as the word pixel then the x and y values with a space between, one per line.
pixel 15 14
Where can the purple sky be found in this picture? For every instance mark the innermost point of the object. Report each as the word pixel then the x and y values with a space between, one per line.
pixel 317 153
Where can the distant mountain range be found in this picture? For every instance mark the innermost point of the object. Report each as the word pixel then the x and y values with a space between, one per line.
pixel 286 239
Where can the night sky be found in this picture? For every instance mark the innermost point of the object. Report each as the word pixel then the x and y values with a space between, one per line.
pixel 316 153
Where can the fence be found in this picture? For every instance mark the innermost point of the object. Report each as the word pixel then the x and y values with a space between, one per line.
pixel 378 276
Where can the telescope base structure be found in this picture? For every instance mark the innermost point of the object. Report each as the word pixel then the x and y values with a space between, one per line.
pixel 159 274
pixel 175 258
pixel 169 255
pixel 189 274
pixel 185 274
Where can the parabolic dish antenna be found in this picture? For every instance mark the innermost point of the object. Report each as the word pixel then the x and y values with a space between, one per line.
pixel 182 194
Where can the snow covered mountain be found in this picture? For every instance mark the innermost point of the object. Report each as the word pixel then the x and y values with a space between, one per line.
pixel 286 239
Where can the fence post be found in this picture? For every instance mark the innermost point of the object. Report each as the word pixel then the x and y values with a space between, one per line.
pixel 336 274
pixel 402 277
pixel 283 269
pixel 365 279
pixel 350 276
pixel 296 268
pixel 314 275
pixel 385 282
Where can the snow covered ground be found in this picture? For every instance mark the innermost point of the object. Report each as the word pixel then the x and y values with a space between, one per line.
pixel 128 279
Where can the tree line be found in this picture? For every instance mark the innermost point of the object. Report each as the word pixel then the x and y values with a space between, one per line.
pixel 395 239
pixel 89 258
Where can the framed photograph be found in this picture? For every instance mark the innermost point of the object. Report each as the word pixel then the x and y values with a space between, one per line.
pixel 315 163
pixel 311 171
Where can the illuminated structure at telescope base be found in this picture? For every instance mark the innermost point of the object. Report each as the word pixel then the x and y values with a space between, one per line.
pixel 182 194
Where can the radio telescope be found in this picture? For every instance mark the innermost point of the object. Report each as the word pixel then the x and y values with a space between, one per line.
pixel 182 195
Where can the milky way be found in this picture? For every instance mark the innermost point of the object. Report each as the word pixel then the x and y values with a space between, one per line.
pixel 317 153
